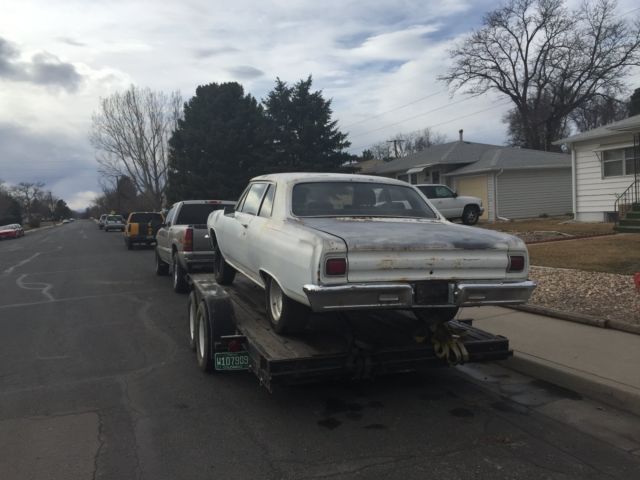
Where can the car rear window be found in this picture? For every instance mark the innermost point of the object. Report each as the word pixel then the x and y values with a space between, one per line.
pixel 196 213
pixel 146 217
pixel 355 199
pixel 114 218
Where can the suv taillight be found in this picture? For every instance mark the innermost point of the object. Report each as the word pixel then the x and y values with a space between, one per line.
pixel 335 267
pixel 187 241
pixel 516 263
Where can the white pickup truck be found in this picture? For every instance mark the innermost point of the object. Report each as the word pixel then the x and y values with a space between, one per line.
pixel 451 205
pixel 336 242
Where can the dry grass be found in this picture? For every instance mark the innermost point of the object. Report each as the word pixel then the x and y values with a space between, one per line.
pixel 556 224
pixel 612 254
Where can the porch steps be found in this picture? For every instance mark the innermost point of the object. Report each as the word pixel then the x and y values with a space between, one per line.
pixel 630 223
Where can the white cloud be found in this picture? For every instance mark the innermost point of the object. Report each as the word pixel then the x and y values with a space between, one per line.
pixel 81 200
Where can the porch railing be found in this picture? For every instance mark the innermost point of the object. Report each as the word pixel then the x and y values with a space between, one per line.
pixel 626 200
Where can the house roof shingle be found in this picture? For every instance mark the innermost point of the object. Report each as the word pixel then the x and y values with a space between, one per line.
pixel 631 124
pixel 510 158
pixel 449 153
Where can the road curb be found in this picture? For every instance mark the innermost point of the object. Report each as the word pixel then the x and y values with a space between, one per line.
pixel 579 318
pixel 621 396
pixel 31 230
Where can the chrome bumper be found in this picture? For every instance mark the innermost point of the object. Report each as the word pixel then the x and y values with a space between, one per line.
pixel 361 296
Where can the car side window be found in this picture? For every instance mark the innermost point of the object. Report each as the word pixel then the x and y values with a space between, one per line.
pixel 428 191
pixel 267 203
pixel 443 192
pixel 254 197
pixel 240 202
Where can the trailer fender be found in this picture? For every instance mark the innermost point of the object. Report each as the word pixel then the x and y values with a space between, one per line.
pixel 216 318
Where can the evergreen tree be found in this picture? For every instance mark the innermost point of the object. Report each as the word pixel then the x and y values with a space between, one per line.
pixel 218 145
pixel 304 137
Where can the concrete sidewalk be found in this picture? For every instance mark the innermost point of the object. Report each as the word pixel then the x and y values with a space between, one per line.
pixel 600 363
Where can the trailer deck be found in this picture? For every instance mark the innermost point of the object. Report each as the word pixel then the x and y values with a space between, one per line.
pixel 356 345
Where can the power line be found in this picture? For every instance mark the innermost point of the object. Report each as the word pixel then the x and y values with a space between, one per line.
pixel 499 104
pixel 442 107
pixel 394 109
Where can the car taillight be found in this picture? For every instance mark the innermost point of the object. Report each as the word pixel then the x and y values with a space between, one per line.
pixel 187 241
pixel 516 263
pixel 335 267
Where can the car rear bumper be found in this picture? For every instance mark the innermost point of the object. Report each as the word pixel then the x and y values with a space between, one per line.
pixel 141 238
pixel 403 295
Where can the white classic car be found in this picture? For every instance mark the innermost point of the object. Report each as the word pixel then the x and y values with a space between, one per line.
pixel 334 242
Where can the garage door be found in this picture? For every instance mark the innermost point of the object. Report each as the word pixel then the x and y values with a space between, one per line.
pixel 475 187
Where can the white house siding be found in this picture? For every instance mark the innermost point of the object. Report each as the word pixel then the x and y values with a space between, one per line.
pixel 490 207
pixel 595 196
pixel 531 193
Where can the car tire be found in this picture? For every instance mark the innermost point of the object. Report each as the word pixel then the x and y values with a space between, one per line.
pixel 470 215
pixel 285 315
pixel 223 272
pixel 178 275
pixel 161 267
pixel 436 315
pixel 192 311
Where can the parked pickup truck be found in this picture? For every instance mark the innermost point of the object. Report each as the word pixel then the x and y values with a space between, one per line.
pixel 451 205
pixel 182 242
pixel 142 228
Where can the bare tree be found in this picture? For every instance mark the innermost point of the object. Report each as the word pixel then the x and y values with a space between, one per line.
pixel 403 144
pixel 547 59
pixel 600 110
pixel 130 132
pixel 27 193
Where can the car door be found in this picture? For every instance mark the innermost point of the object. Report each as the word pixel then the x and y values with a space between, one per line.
pixel 257 234
pixel 233 238
pixel 444 201
pixel 162 237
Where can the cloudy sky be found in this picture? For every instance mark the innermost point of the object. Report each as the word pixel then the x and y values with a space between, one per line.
pixel 378 61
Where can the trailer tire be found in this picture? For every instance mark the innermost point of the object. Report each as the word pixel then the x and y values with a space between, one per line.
pixel 192 312
pixel 214 319
pixel 285 315
pixel 436 315
pixel 204 346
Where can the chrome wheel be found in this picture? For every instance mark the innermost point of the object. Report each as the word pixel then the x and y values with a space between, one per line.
pixel 174 267
pixel 275 300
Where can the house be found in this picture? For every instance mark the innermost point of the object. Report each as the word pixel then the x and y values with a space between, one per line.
pixel 511 182
pixel 605 166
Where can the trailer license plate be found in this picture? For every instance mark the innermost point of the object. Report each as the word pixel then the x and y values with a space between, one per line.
pixel 232 361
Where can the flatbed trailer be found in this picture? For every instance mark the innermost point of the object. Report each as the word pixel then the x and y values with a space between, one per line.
pixel 229 330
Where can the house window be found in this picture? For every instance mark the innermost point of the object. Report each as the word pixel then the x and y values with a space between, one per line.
pixel 617 162
pixel 404 178
pixel 435 177
pixel 414 178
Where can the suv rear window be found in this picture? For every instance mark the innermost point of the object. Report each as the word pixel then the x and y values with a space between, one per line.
pixel 146 217
pixel 114 218
pixel 196 213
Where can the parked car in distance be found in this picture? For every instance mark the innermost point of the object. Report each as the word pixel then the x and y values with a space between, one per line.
pixel 142 228
pixel 101 220
pixel 182 243
pixel 336 242
pixel 13 230
pixel 451 205
pixel 66 220
pixel 114 222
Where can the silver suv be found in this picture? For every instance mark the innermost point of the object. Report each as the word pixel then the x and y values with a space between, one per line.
pixel 451 205
pixel 114 222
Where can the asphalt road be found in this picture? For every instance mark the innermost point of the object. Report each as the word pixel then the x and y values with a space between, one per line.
pixel 97 381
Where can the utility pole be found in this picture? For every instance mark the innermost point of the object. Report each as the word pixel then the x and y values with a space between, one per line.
pixel 395 145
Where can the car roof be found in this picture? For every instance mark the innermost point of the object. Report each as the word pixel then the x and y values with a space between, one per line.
pixel 200 202
pixel 299 177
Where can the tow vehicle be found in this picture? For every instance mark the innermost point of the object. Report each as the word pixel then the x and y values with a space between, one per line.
pixel 229 330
